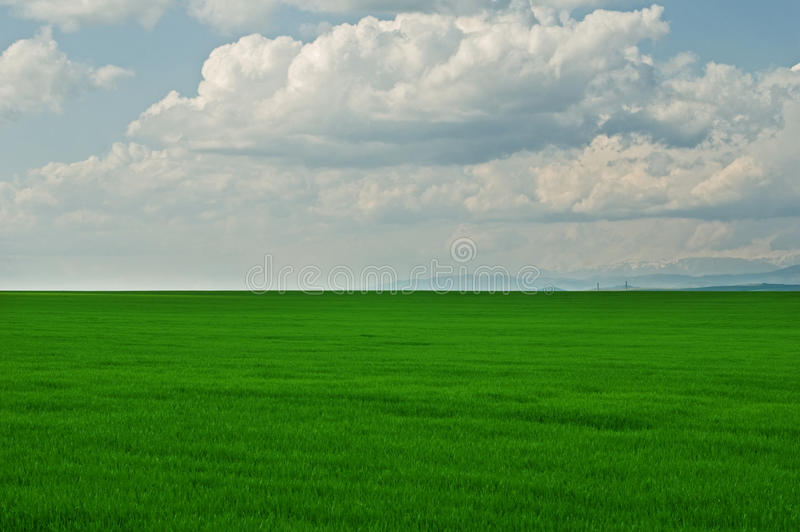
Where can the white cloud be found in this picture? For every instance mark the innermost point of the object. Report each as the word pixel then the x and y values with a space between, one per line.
pixel 36 75
pixel 485 117
pixel 612 178
pixel 440 89
pixel 107 77
pixel 196 215
pixel 72 14
pixel 734 182
pixel 229 15
pixel 437 88
pixel 796 68
pixel 252 15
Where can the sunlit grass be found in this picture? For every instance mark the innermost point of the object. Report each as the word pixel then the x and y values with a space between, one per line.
pixel 218 411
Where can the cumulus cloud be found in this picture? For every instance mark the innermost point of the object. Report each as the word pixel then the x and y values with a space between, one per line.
pixel 36 75
pixel 513 118
pixel 613 178
pixel 634 177
pixel 445 89
pixel 437 88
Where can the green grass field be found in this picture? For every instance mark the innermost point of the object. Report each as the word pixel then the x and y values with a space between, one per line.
pixel 233 411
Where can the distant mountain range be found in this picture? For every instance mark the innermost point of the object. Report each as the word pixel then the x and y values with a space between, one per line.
pixel 694 266
pixel 778 279
pixel 782 279
pixel 748 288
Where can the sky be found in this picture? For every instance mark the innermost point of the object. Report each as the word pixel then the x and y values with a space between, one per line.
pixel 176 143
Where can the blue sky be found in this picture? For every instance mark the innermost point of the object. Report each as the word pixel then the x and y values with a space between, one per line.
pixel 312 164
